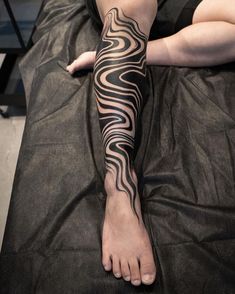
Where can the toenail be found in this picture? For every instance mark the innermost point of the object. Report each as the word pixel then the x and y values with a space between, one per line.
pixel 148 278
pixel 136 282
pixel 117 275
pixel 127 278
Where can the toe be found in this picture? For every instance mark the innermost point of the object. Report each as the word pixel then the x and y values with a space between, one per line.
pixel 74 66
pixel 70 68
pixel 106 261
pixel 125 270
pixel 116 267
pixel 147 269
pixel 135 272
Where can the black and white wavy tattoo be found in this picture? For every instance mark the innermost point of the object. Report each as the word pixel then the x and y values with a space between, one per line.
pixel 119 81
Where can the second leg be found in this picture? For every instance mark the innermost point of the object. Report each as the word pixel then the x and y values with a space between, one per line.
pixel 208 41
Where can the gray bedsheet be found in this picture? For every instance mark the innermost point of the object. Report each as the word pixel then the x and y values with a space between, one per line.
pixel 185 160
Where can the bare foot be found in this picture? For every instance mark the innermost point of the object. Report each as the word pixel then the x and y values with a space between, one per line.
pixel 126 247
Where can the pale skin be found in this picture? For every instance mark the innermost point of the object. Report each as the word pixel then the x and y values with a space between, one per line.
pixel 126 247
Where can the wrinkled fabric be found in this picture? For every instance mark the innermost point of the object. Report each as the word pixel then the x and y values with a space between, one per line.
pixel 185 160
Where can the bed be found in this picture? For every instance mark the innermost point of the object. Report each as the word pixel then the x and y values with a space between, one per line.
pixel 185 161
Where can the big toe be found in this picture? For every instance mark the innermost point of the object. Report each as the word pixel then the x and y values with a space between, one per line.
pixel 147 269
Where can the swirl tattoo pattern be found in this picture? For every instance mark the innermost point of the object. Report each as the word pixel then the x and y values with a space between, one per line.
pixel 119 82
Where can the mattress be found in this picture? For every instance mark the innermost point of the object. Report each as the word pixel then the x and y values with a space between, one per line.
pixel 185 161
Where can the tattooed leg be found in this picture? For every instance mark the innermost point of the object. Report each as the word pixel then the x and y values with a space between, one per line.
pixel 119 82
pixel 120 72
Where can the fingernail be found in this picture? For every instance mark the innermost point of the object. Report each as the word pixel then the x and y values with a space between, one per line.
pixel 127 278
pixel 117 275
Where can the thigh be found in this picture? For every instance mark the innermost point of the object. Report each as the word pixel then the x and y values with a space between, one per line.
pixel 215 10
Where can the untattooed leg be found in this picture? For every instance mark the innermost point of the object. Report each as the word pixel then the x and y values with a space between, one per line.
pixel 208 41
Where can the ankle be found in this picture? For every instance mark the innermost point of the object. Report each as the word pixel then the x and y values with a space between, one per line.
pixel 110 181
pixel 117 201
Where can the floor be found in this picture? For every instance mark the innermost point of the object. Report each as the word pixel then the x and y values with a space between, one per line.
pixel 11 130
pixel 25 13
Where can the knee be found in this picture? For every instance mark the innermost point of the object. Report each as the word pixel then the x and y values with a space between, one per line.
pixel 141 8
pixel 143 12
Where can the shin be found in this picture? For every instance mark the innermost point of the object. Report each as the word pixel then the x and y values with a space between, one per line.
pixel 119 81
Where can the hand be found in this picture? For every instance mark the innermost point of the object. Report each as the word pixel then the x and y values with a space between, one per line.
pixel 84 61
